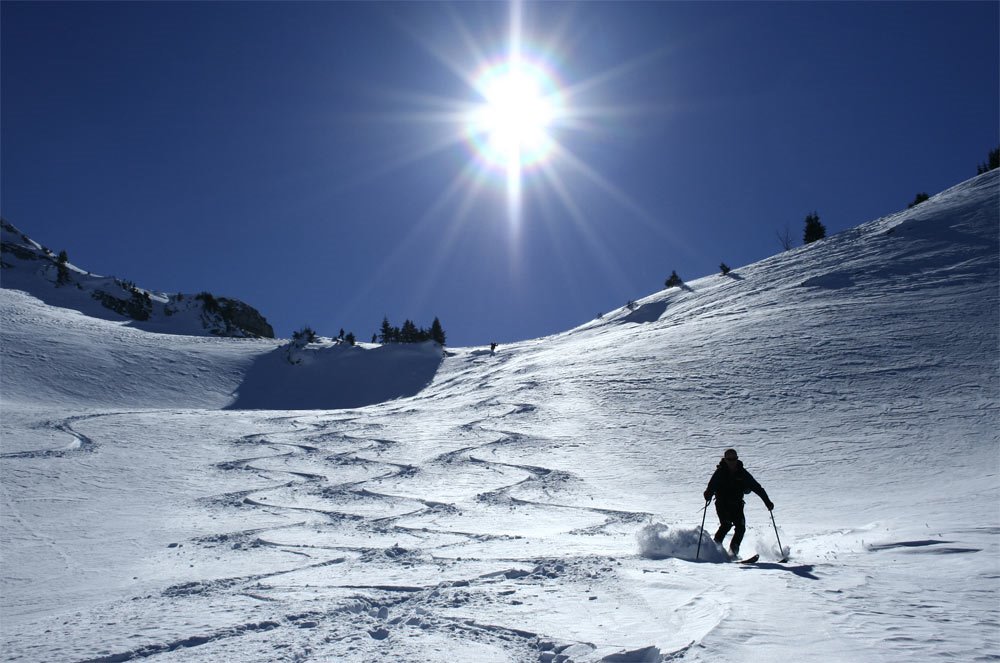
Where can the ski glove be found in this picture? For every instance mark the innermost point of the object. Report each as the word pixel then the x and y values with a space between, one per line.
pixel 708 496
pixel 770 505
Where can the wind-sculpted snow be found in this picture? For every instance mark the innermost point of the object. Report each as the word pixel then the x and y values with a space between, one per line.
pixel 541 503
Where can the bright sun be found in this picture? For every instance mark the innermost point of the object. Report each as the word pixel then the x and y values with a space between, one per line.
pixel 518 121
pixel 510 128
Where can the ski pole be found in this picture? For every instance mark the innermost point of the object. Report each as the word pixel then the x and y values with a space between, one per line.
pixel 701 530
pixel 780 549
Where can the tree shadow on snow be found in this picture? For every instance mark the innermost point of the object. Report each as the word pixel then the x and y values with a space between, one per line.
pixel 646 313
pixel 338 377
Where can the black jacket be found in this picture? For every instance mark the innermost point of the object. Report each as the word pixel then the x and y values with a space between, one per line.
pixel 732 486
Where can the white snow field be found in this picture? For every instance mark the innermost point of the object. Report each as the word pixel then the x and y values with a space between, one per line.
pixel 537 504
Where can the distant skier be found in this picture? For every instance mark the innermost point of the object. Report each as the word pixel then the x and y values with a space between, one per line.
pixel 729 484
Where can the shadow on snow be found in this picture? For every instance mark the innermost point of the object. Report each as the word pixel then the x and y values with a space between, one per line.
pixel 336 377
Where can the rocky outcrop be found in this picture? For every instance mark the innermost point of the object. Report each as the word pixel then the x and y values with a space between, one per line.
pixel 29 266
pixel 231 317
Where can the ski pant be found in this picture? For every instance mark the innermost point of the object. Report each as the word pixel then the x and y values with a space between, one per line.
pixel 730 514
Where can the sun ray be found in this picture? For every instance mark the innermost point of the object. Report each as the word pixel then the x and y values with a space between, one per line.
pixel 551 222
pixel 514 36
pixel 659 227
pixel 476 54
pixel 459 185
pixel 455 223
pixel 440 146
pixel 456 66
pixel 517 123
pixel 610 267
pixel 610 75
pixel 420 103
pixel 514 195
pixel 619 112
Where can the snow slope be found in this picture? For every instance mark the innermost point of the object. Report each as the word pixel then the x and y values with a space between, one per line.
pixel 540 503
pixel 60 356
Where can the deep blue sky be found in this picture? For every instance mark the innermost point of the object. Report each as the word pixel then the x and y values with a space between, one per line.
pixel 281 153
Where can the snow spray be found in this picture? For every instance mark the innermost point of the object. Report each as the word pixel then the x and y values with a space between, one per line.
pixel 659 541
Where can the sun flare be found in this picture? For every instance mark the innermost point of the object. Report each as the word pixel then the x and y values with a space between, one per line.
pixel 520 110
pixel 520 104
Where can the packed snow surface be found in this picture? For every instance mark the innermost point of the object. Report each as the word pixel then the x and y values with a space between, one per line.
pixel 181 498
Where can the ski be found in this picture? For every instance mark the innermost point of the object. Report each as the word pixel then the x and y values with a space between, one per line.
pixel 755 558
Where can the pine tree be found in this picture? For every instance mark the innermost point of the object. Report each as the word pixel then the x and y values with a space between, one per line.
pixel 386 335
pixel 814 230
pixel 62 272
pixel 437 332
pixel 991 164
pixel 409 332
pixel 304 336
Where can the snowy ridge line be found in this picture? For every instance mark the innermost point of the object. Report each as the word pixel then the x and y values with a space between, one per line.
pixel 31 268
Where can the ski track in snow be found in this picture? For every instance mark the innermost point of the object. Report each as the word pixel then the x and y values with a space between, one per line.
pixel 365 552
pixel 339 479
pixel 494 515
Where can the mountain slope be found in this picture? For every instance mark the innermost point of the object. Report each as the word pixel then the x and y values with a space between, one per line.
pixel 32 268
pixel 540 503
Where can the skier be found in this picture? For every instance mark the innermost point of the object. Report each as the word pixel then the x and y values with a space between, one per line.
pixel 729 484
